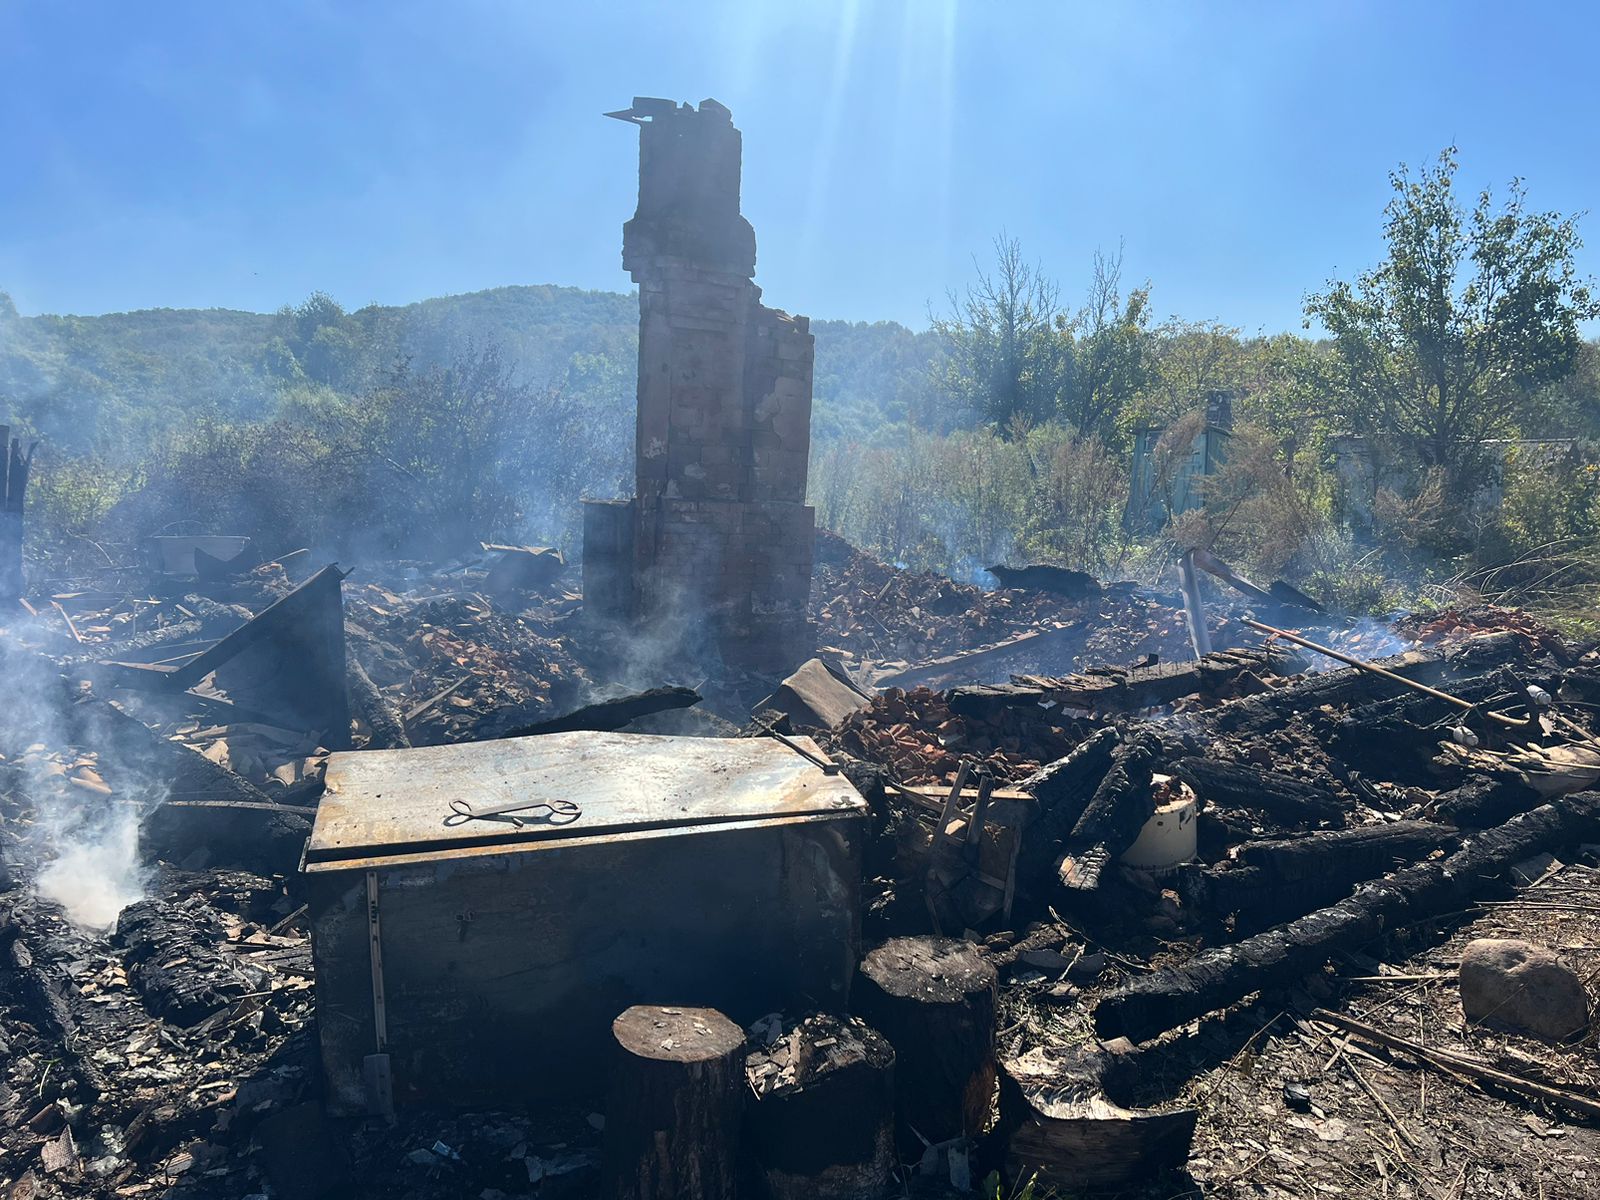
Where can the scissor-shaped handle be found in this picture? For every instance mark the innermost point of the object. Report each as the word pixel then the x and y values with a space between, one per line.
pixel 556 812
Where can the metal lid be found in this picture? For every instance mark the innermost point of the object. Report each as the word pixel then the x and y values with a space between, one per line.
pixel 389 803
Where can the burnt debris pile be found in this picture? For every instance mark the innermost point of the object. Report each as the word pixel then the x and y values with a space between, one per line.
pixel 733 862
pixel 321 884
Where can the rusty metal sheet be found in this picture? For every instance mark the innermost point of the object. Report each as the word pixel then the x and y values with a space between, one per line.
pixel 395 802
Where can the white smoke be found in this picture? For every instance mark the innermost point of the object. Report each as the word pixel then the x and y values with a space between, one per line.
pixel 1365 639
pixel 96 872
pixel 78 792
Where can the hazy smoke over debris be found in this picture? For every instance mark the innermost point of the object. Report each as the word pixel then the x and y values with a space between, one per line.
pixel 96 871
pixel 76 797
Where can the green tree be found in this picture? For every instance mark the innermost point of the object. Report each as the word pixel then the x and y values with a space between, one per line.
pixel 316 341
pixel 1189 360
pixel 1571 405
pixel 1285 383
pixel 1110 351
pixel 1470 313
pixel 1005 360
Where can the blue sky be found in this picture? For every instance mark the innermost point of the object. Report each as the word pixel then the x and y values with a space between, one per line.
pixel 244 155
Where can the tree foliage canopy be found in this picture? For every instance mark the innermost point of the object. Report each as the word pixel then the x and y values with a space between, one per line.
pixel 1004 358
pixel 1466 318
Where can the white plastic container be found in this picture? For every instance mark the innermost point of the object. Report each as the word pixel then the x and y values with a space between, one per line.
pixel 1169 838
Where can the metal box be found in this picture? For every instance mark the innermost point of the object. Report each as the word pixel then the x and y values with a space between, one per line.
pixel 701 871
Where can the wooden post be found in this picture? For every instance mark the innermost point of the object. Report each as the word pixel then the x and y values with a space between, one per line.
pixel 672 1124
pixel 822 1126
pixel 14 469
pixel 934 999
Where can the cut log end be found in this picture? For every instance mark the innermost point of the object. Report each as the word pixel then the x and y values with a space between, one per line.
pixel 930 970
pixel 678 1035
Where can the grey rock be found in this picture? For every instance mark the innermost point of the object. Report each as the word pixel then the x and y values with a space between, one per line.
pixel 1522 987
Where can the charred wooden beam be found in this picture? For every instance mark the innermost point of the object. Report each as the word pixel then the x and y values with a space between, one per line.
pixel 1063 789
pixel 1527 724
pixel 1229 785
pixel 1194 605
pixel 1218 977
pixel 1422 708
pixel 187 774
pixel 934 999
pixel 986 662
pixel 1117 689
pixel 176 959
pixel 15 466
pixel 388 730
pixel 607 716
pixel 36 988
pixel 1276 881
pixel 1373 848
pixel 1346 686
pixel 1485 799
pixel 181 639
pixel 1121 806
pixel 1397 738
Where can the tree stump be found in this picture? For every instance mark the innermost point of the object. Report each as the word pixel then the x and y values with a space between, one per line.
pixel 672 1124
pixel 934 999
pixel 822 1127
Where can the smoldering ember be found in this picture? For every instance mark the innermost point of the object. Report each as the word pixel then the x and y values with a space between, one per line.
pixel 717 857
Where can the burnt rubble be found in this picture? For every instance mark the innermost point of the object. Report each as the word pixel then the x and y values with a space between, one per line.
pixel 505 877
pixel 1336 818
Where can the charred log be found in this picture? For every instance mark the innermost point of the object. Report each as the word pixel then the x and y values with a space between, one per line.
pixel 1273 710
pixel 1397 738
pixel 1118 689
pixel 14 469
pixel 1486 799
pixel 1228 785
pixel 176 958
pixel 823 1121
pixel 1064 789
pixel 1276 881
pixel 1218 977
pixel 388 730
pixel 133 645
pixel 605 716
pixel 36 990
pixel 1121 806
